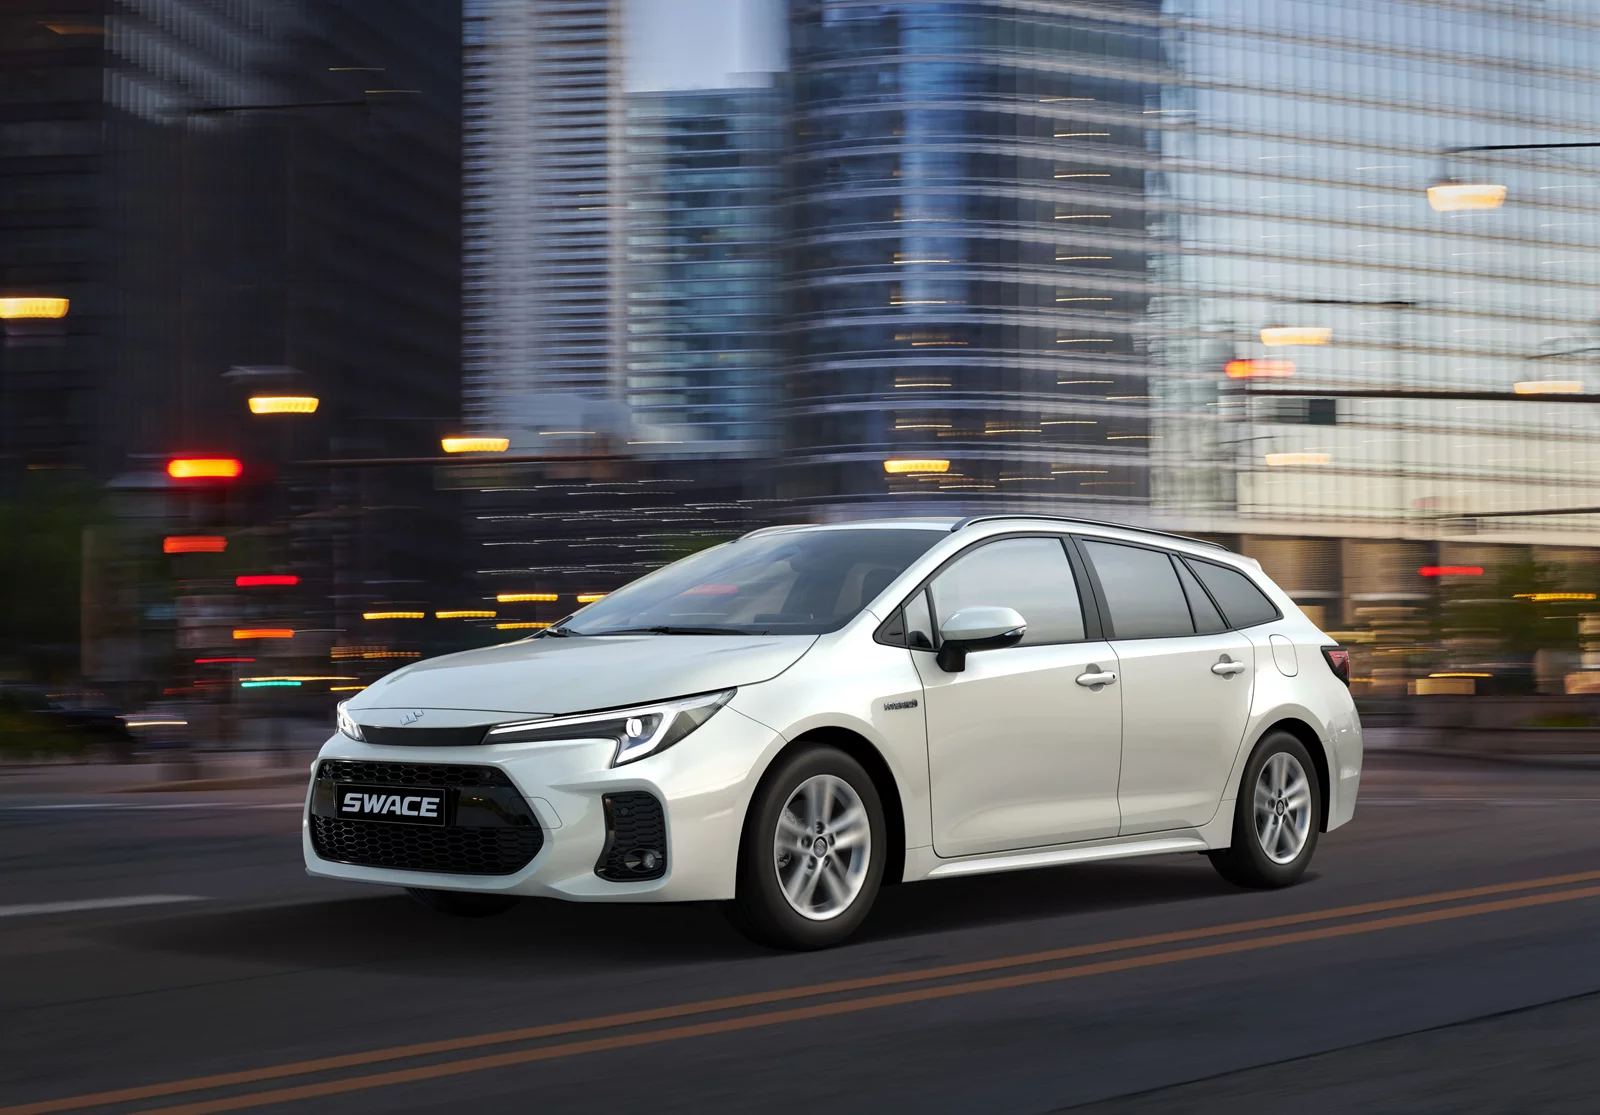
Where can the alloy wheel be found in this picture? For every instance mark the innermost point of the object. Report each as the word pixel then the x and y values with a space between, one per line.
pixel 822 847
pixel 1282 808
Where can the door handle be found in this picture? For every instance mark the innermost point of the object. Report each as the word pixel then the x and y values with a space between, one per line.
pixel 1096 677
pixel 1227 669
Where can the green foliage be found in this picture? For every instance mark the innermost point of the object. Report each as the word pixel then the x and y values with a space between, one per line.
pixel 41 553
pixel 1495 610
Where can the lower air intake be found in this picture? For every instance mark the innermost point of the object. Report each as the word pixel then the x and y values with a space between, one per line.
pixel 636 838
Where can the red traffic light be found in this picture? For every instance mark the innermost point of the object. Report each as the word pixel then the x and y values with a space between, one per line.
pixel 204 468
pixel 258 580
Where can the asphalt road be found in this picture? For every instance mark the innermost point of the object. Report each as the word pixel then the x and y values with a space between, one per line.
pixel 1442 955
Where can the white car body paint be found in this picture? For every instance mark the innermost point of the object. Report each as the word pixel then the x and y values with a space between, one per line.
pixel 1179 772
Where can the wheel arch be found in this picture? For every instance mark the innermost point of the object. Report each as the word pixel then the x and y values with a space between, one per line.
pixel 1307 735
pixel 859 748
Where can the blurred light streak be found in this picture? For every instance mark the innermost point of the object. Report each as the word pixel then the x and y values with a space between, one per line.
pixel 345 688
pixel 13 309
pixel 1451 571
pixel 464 613
pixel 214 661
pixel 1259 369
pixel 898 467
pixel 194 544
pixel 1553 597
pixel 263 633
pixel 393 654
pixel 519 625
pixel 1460 675
pixel 135 721
pixel 283 404
pixel 525 597
pixel 393 615
pixel 1277 460
pixel 1549 387
pixel 475 444
pixel 589 597
pixel 1465 195
pixel 269 684
pixel 257 580
pixel 1275 335
pixel 302 677
pixel 204 468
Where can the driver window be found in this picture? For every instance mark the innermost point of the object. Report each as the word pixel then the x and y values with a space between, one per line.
pixel 1031 575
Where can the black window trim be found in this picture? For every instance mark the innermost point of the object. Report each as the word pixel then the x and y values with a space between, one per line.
pixel 1088 602
pixel 1105 608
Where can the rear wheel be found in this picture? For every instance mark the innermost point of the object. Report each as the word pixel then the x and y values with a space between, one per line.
pixel 812 856
pixel 464 904
pixel 1276 817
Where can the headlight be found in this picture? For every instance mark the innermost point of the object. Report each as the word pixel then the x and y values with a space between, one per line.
pixel 347 723
pixel 641 731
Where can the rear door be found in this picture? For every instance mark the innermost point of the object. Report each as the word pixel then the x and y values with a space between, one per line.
pixel 1021 753
pixel 1185 680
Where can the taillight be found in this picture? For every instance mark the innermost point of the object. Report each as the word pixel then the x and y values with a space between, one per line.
pixel 1339 662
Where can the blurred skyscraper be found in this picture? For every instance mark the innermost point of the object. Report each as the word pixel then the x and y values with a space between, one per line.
pixel 233 199
pixel 970 255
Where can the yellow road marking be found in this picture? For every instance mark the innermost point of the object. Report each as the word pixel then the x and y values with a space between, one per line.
pixel 763 998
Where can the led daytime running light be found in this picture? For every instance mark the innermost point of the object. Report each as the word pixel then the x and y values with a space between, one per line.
pixel 637 732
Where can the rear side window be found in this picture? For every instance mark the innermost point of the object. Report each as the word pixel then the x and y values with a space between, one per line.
pixel 1142 591
pixel 1207 620
pixel 1031 575
pixel 1242 604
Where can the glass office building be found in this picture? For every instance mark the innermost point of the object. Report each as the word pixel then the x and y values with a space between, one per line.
pixel 971 255
pixel 703 269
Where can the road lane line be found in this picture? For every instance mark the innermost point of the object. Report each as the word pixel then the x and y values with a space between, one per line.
pixel 763 998
pixel 856 1006
pixel 32 908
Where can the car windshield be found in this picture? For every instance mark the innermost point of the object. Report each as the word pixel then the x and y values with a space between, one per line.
pixel 800 583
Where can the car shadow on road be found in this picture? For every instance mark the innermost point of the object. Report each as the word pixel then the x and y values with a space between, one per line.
pixel 389 932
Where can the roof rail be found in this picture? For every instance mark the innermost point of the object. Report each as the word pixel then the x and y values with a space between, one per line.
pixel 971 519
pixel 773 529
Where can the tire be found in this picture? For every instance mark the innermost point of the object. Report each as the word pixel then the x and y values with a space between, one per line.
pixel 464 904
pixel 778 877
pixel 1280 770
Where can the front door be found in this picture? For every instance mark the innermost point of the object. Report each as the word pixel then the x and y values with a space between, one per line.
pixel 1186 684
pixel 1023 745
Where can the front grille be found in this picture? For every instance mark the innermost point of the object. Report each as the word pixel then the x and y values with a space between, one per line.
pixel 636 838
pixel 425 737
pixel 456 851
pixel 441 776
pixel 490 829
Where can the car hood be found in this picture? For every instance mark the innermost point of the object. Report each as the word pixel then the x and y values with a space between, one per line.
pixel 578 673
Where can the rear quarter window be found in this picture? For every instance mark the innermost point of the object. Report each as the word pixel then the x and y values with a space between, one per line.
pixel 1242 603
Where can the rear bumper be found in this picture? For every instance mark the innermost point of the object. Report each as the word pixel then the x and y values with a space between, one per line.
pixel 703 784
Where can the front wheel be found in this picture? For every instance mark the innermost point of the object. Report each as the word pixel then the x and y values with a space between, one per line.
pixel 464 904
pixel 812 856
pixel 1276 817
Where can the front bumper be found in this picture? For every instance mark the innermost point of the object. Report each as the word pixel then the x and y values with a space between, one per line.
pixel 703 783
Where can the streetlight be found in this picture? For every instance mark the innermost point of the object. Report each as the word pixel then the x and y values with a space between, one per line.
pixel 1448 196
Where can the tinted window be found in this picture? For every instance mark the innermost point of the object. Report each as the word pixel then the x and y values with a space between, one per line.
pixel 1031 575
pixel 790 583
pixel 1242 603
pixel 1207 620
pixel 1142 591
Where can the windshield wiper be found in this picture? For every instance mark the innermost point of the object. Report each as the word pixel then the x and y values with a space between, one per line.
pixel 664 629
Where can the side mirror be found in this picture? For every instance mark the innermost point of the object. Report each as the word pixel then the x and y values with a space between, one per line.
pixel 982 628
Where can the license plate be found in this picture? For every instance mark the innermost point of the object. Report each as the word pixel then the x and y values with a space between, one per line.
pixel 388 803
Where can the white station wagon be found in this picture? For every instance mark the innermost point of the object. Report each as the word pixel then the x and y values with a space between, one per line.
pixel 787 722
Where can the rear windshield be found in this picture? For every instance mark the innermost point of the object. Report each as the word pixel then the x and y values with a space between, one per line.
pixel 802 583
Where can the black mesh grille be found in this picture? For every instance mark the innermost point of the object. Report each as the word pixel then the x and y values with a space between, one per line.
pixel 457 851
pixel 491 830
pixel 636 838
pixel 437 775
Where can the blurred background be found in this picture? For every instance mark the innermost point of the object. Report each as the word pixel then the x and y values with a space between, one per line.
pixel 338 334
